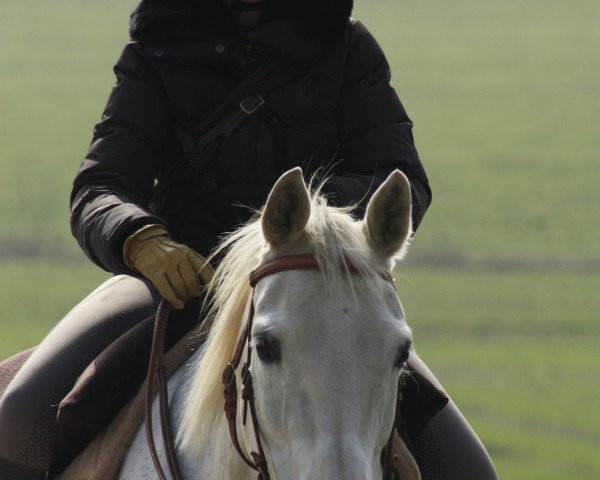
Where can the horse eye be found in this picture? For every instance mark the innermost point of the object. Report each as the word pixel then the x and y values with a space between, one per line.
pixel 268 349
pixel 403 354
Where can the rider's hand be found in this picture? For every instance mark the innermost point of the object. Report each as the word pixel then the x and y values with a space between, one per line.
pixel 177 271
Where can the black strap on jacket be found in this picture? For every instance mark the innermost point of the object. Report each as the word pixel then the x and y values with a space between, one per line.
pixel 195 148
pixel 244 101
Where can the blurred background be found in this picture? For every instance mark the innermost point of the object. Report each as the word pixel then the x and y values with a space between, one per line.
pixel 502 282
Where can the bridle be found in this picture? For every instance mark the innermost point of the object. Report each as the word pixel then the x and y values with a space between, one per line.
pixel 258 461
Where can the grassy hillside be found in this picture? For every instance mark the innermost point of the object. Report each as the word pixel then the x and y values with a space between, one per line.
pixel 501 283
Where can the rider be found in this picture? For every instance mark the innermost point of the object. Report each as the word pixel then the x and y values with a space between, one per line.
pixel 328 107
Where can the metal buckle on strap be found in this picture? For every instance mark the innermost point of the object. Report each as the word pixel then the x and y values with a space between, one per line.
pixel 252 104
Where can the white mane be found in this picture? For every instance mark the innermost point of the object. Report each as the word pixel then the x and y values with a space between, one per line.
pixel 331 234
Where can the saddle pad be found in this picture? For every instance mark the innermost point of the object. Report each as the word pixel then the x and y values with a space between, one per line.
pixel 108 383
pixel 103 457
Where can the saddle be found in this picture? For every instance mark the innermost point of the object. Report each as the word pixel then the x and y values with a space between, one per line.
pixel 99 417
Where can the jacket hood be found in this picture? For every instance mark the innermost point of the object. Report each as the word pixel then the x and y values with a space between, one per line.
pixel 159 19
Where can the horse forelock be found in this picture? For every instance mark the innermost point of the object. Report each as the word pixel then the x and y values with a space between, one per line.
pixel 332 235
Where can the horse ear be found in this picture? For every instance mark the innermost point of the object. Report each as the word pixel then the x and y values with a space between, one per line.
pixel 287 210
pixel 387 222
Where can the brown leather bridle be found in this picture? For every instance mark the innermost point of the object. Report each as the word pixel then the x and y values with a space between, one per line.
pixel 393 452
pixel 258 461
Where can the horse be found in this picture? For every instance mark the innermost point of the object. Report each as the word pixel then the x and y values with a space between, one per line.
pixel 327 345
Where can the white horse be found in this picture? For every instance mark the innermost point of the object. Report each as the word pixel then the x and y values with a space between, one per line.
pixel 329 345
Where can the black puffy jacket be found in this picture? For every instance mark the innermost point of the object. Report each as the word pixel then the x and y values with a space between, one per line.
pixel 184 59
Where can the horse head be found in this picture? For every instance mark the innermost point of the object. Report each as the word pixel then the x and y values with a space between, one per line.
pixel 329 349
pixel 328 344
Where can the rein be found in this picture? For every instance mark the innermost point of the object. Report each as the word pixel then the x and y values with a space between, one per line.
pixel 157 370
pixel 395 453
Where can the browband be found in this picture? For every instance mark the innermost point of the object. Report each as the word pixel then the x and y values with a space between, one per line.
pixel 300 262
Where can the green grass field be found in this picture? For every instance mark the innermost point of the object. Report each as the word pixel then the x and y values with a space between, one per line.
pixel 502 282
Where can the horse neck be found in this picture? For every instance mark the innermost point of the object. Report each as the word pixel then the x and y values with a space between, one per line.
pixel 219 459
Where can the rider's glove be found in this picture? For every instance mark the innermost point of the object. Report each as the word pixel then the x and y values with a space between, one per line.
pixel 177 271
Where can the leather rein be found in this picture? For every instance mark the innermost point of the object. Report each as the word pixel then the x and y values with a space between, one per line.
pixel 258 461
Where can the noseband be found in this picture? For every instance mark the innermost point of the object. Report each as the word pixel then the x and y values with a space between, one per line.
pixel 258 461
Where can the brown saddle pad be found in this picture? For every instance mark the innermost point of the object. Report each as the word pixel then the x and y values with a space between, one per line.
pixel 103 457
pixel 107 384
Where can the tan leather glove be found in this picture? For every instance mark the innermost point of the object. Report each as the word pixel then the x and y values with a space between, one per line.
pixel 177 271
